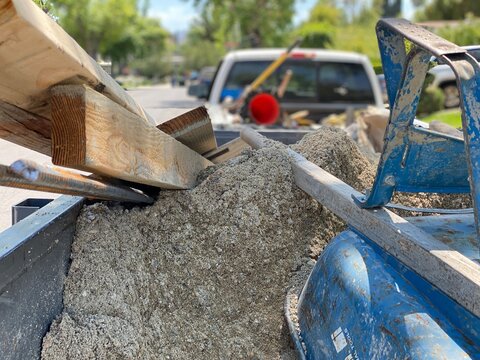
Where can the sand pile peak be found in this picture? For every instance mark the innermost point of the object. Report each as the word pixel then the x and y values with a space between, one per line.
pixel 200 274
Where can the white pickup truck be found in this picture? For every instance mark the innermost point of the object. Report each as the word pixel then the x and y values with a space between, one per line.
pixel 323 81
pixel 444 78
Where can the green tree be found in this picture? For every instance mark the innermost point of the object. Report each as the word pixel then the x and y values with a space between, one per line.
pixel 320 28
pixel 391 8
pixel 204 53
pixel 205 42
pixel 252 23
pixel 113 29
pixel 450 9
pixel 96 24
pixel 330 26
pixel 467 33
pixel 45 5
pixel 142 44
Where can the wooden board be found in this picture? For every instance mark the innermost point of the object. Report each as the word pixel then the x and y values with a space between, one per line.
pixel 36 53
pixel 227 151
pixel 193 129
pixel 92 133
pixel 24 128
pixel 450 271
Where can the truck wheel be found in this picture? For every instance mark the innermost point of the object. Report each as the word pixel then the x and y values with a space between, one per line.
pixel 452 96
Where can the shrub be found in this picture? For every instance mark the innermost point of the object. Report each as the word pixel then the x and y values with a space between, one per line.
pixel 431 100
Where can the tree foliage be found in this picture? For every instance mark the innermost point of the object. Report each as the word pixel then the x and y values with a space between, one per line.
pixel 450 10
pixel 96 24
pixel 114 29
pixel 224 25
pixel 45 5
pixel 320 28
pixel 250 23
pixel 329 26
pixel 467 33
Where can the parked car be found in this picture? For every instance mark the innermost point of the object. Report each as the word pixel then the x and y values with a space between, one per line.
pixel 444 78
pixel 383 87
pixel 201 85
pixel 178 80
pixel 323 81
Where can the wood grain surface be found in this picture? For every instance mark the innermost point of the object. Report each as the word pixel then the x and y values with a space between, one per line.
pixel 193 129
pixel 92 133
pixel 37 54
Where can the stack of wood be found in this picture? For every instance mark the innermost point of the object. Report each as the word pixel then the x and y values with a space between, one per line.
pixel 56 100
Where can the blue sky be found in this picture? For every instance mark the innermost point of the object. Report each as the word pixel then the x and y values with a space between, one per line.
pixel 176 15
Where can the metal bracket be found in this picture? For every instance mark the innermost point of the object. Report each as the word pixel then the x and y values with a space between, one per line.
pixel 418 160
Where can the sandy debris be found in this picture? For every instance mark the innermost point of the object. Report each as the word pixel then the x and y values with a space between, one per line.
pixel 334 151
pixel 202 273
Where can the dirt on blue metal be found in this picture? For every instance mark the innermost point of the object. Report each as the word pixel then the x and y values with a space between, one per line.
pixel 202 274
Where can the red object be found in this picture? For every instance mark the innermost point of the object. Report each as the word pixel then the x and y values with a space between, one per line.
pixel 302 55
pixel 264 109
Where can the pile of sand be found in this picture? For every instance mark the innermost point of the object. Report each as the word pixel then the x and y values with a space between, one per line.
pixel 201 274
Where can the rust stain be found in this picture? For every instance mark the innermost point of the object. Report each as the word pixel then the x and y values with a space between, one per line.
pixel 421 319
pixel 389 333
pixel 446 240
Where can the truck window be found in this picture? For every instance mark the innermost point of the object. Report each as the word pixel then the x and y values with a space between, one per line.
pixel 475 53
pixel 312 81
pixel 302 86
pixel 242 74
pixel 344 82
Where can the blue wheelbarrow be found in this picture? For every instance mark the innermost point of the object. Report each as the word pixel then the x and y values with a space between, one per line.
pixel 391 287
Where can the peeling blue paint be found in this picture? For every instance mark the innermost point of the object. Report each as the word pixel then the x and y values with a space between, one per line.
pixel 388 311
pixel 360 302
pixel 419 160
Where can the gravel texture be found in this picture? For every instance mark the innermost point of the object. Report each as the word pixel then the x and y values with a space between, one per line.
pixel 201 274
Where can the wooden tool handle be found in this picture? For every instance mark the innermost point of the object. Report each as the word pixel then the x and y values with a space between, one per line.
pixel 26 174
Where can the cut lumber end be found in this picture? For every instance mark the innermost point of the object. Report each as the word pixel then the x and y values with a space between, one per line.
pixel 92 133
pixel 227 151
pixel 193 129
pixel 68 125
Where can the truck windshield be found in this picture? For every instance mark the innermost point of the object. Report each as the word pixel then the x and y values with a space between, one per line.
pixel 312 81
pixel 344 82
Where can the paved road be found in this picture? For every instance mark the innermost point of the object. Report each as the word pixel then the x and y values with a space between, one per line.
pixel 8 196
pixel 162 102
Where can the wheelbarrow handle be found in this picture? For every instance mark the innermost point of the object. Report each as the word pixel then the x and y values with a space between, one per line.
pixel 404 75
pixel 420 36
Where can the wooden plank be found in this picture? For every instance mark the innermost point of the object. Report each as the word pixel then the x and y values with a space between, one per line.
pixel 37 54
pixel 24 128
pixel 92 133
pixel 25 174
pixel 450 271
pixel 193 129
pixel 227 151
